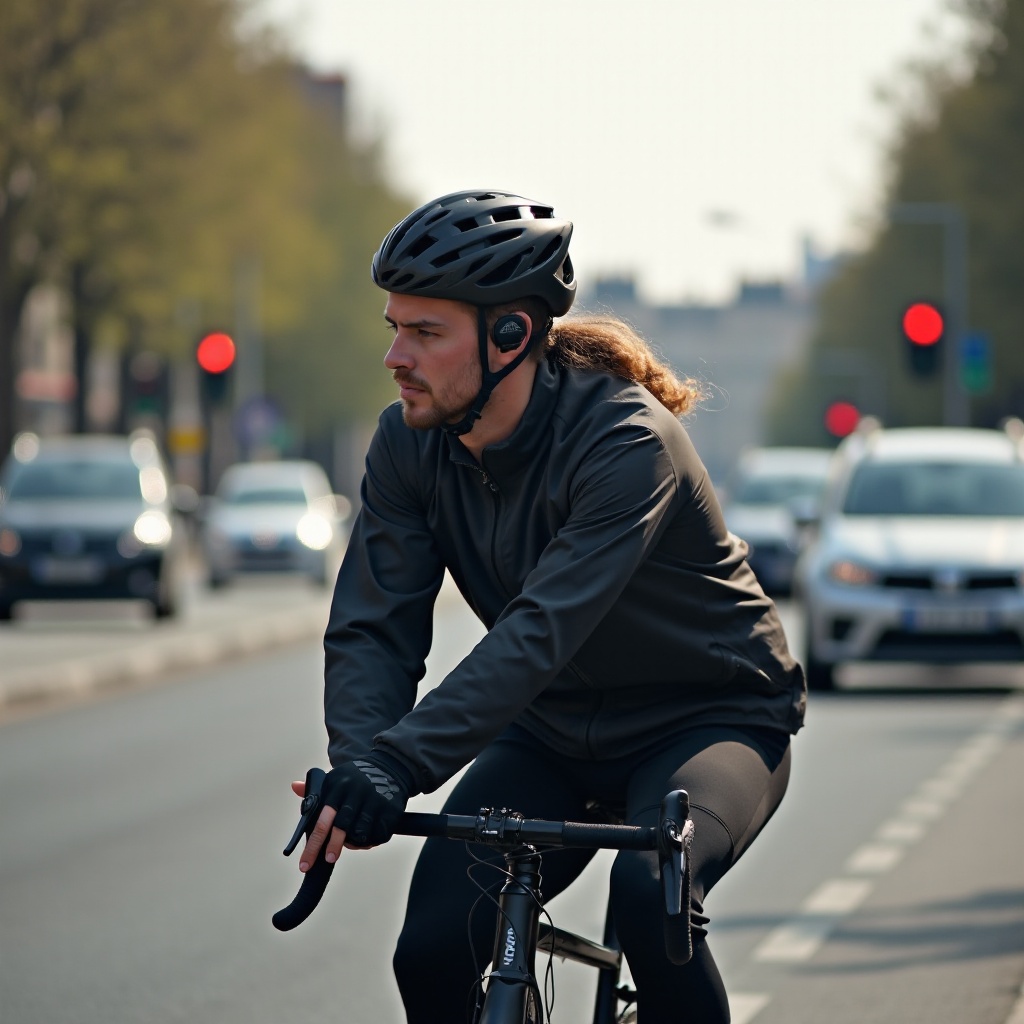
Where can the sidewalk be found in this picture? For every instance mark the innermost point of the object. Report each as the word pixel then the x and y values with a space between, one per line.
pixel 74 649
pixel 65 650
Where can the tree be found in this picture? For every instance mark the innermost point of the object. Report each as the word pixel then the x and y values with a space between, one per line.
pixel 960 141
pixel 147 150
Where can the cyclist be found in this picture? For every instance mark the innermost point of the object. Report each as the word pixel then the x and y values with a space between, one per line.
pixel 629 647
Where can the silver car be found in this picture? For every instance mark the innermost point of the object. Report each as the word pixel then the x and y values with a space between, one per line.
pixel 919 553
pixel 772 492
pixel 274 517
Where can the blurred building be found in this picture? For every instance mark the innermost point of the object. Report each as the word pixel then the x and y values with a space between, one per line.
pixel 45 384
pixel 737 350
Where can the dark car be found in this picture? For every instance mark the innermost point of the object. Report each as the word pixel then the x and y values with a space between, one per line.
pixel 88 517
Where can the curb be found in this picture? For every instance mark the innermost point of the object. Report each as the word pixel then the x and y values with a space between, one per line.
pixel 161 655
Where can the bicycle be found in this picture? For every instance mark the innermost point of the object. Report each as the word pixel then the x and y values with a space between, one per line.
pixel 509 993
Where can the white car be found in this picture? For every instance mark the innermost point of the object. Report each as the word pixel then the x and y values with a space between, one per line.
pixel 274 517
pixel 919 553
pixel 772 492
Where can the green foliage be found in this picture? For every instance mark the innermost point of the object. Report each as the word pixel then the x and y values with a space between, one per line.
pixel 961 142
pixel 327 366
pixel 148 150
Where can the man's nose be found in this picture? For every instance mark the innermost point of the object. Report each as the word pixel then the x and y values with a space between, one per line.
pixel 397 356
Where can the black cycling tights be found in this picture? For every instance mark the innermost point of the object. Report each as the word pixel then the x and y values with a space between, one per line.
pixel 735 778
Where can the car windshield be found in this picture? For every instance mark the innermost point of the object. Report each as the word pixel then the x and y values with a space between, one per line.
pixel 936 489
pixel 776 490
pixel 77 479
pixel 267 496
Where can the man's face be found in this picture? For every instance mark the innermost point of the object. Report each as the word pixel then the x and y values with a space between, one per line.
pixel 433 358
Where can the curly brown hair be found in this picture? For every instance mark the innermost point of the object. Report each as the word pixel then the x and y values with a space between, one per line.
pixel 591 342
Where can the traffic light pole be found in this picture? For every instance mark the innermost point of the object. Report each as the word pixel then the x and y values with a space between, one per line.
pixel 956 411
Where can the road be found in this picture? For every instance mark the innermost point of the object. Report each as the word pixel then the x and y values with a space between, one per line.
pixel 140 852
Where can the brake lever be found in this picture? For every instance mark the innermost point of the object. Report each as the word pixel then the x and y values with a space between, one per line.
pixel 310 808
pixel 675 835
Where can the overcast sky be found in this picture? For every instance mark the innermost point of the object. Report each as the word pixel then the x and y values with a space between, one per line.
pixel 691 143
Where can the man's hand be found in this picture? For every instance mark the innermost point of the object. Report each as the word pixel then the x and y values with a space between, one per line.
pixel 363 800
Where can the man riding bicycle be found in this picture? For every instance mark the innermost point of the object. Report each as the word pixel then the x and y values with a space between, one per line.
pixel 629 649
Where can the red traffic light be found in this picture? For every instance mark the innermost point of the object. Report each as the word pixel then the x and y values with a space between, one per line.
pixel 216 353
pixel 923 324
pixel 841 418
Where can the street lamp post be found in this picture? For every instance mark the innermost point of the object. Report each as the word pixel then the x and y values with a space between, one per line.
pixel 955 405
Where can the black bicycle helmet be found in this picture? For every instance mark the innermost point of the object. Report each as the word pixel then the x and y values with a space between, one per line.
pixel 485 248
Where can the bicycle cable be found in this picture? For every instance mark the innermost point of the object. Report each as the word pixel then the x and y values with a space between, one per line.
pixel 546 1001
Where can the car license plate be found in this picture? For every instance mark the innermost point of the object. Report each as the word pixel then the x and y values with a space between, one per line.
pixel 958 620
pixel 68 570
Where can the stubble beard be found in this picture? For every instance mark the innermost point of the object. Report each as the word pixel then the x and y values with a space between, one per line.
pixel 449 405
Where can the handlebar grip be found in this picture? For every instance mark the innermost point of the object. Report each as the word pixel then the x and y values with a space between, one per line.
pixel 314 883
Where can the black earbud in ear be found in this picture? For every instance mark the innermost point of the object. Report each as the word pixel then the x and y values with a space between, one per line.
pixel 509 332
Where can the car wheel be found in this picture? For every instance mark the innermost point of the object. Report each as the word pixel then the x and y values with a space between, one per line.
pixel 6 612
pixel 217 582
pixel 165 609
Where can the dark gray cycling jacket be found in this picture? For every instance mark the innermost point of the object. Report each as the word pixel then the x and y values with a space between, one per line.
pixel 591 545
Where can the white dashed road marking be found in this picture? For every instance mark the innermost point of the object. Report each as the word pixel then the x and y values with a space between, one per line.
pixel 821 913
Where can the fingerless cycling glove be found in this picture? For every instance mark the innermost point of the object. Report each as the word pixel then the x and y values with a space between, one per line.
pixel 369 794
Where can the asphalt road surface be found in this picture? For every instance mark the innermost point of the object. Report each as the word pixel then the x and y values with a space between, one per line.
pixel 140 856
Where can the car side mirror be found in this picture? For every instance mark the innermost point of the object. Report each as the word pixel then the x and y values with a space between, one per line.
pixel 806 512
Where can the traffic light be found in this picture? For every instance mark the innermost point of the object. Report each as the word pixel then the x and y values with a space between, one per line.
pixel 923 327
pixel 215 355
pixel 841 418
pixel 146 386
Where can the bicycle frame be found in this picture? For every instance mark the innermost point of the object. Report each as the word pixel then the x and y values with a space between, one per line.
pixel 512 994
pixel 520 935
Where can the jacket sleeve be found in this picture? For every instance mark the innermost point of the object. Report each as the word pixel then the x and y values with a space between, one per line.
pixel 621 495
pixel 379 631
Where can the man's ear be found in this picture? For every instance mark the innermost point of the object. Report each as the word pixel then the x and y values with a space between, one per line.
pixel 510 331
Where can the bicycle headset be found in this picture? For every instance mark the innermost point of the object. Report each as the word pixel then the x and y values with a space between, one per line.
pixel 484 249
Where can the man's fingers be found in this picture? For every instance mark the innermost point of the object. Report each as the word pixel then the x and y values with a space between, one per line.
pixel 299 788
pixel 316 839
pixel 335 846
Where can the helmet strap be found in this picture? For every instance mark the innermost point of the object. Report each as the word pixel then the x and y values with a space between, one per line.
pixel 488 380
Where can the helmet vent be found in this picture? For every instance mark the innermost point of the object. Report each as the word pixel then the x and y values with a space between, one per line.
pixel 501 273
pixel 420 246
pixel 509 213
pixel 444 259
pixel 466 224
pixel 397 282
pixel 549 250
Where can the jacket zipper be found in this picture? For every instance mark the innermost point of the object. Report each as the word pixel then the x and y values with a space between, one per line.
pixel 494 531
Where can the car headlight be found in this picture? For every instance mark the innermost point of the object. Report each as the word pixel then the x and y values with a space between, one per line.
pixel 851 574
pixel 152 529
pixel 10 543
pixel 314 531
